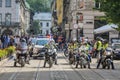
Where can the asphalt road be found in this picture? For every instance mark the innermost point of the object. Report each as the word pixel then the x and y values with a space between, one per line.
pixel 62 71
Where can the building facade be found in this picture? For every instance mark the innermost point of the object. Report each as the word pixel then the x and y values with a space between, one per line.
pixel 80 18
pixel 44 22
pixel 14 16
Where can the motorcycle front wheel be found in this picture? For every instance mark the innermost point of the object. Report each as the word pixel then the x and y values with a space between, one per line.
pixel 22 63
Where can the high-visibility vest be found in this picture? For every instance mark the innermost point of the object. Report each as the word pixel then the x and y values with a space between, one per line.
pixel 99 45
pixel 105 46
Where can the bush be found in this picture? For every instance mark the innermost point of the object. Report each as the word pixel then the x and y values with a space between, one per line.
pixel 1 54
pixel 11 49
pixel 7 51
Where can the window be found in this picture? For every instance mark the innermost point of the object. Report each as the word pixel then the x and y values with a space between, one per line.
pixel 0 3
pixel 40 31
pixel 8 3
pixel 47 24
pixel 47 31
pixel 8 19
pixel 0 18
pixel 97 4
pixel 41 24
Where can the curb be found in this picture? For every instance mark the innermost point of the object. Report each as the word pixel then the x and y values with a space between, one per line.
pixel 3 61
pixel 6 60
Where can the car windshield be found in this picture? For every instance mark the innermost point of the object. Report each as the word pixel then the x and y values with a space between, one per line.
pixel 116 46
pixel 41 42
pixel 33 41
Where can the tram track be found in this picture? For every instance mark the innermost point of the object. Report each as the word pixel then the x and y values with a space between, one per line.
pixel 81 77
pixel 18 73
pixel 37 72
pixel 79 74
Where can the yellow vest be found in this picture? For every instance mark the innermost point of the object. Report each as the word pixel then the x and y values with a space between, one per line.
pixel 105 46
pixel 99 45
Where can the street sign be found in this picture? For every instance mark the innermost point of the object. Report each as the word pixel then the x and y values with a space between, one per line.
pixel 75 26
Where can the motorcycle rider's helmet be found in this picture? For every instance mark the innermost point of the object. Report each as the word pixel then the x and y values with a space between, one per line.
pixel 100 39
pixel 105 41
pixel 22 40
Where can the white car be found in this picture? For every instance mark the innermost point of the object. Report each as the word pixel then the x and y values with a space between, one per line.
pixel 39 45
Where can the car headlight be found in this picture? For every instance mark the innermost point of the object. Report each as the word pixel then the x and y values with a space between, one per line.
pixel 108 53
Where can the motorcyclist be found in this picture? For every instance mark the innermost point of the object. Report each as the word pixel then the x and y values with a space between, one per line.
pixel 70 49
pixel 100 51
pixel 85 48
pixel 22 45
pixel 51 45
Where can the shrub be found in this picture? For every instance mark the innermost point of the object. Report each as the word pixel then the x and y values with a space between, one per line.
pixel 5 52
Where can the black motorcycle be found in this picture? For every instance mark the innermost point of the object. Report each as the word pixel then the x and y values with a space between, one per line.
pixel 66 52
pixel 82 60
pixel 49 57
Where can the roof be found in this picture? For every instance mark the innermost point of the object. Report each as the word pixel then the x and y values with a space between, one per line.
pixel 105 28
pixel 43 16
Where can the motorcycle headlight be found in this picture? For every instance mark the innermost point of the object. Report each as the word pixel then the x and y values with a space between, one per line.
pixel 49 50
pixel 108 53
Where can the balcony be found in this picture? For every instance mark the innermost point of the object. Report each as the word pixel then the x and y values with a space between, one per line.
pixel 9 24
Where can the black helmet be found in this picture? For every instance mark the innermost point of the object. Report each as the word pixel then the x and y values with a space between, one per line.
pixel 105 41
pixel 98 38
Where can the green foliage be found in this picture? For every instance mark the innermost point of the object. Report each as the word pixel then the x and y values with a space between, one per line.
pixel 36 27
pixel 7 51
pixel 40 5
pixel 112 10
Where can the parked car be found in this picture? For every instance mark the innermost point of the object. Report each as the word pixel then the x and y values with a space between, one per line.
pixel 116 50
pixel 38 48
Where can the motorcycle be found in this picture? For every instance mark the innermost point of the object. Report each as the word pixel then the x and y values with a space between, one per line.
pixel 72 56
pixel 82 60
pixel 66 52
pixel 50 57
pixel 107 59
pixel 21 57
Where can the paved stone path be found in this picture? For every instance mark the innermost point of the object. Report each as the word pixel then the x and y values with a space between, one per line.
pixel 62 71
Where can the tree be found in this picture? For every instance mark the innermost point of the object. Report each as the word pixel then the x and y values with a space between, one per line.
pixel 36 27
pixel 40 5
pixel 112 11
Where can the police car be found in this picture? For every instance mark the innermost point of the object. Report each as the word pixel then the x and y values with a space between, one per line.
pixel 38 49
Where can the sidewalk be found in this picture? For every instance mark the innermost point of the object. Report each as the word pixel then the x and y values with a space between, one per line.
pixel 6 60
pixel 3 61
